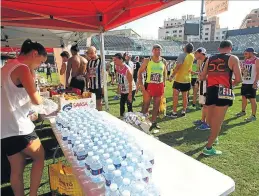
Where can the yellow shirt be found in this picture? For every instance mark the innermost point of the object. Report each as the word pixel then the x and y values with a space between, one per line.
pixel 183 75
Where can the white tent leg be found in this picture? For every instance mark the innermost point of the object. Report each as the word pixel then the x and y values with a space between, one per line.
pixel 104 72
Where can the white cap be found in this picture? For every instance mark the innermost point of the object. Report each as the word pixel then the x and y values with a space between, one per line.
pixel 105 146
pixel 125 193
pixel 120 147
pixel 101 151
pixel 109 161
pixel 130 169
pixel 95 158
pixel 124 163
pixel 95 148
pixel 113 187
pixel 117 173
pixel 111 167
pixel 91 144
pixel 77 142
pixel 91 153
pixel 100 142
pixel 134 160
pixel 106 156
pixel 201 50
pixel 129 155
pixel 81 145
pixel 126 181
pixel 117 153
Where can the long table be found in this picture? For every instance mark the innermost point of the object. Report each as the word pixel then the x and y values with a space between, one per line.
pixel 175 173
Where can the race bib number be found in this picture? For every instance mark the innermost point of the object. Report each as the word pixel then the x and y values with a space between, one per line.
pixel 123 88
pixel 92 72
pixel 225 93
pixel 247 71
pixel 155 78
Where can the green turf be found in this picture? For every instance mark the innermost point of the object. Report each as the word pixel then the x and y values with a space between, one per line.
pixel 239 142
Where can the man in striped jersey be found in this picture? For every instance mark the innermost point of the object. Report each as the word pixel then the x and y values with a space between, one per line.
pixel 200 55
pixel 95 75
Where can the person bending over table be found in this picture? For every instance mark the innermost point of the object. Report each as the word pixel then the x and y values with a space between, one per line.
pixel 18 137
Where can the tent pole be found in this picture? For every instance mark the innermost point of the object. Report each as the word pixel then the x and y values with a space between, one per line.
pixel 104 71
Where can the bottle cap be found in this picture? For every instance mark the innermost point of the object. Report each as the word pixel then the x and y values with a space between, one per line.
pixel 113 187
pixel 117 173
pixel 130 169
pixel 125 193
pixel 126 181
pixel 111 167
pixel 106 156
pixel 91 153
pixel 124 163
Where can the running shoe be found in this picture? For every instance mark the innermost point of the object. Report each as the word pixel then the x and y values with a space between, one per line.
pixel 216 142
pixel 241 114
pixel 183 113
pixel 204 127
pixel 154 126
pixel 116 97
pixel 197 122
pixel 211 152
pixel 251 119
pixel 172 115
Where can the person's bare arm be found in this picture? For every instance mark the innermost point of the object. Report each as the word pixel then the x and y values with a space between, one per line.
pixel 141 70
pixel 82 68
pixel 26 78
pixel 235 66
pixel 165 72
pixel 257 74
pixel 204 73
pixel 130 79
pixel 68 72
pixel 63 69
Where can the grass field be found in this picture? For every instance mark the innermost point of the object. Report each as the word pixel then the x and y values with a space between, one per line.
pixel 239 142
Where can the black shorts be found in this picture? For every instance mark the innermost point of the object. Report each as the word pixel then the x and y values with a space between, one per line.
pixel 212 97
pixel 78 82
pixel 194 81
pixel 248 91
pixel 98 93
pixel 15 144
pixel 183 87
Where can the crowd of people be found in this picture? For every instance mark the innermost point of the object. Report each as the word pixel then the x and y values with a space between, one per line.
pixel 211 77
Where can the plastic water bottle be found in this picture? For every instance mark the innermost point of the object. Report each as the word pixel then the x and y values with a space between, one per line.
pixel 150 157
pixel 75 147
pixel 123 168
pixel 125 186
pixel 99 143
pixel 96 170
pixel 145 175
pixel 122 152
pixel 65 134
pixel 108 175
pixel 128 157
pixel 117 179
pixel 130 173
pixel 153 189
pixel 81 155
pixel 134 162
pixel 104 157
pixel 147 164
pixel 108 162
pixel 126 193
pixel 88 162
pixel 100 153
pixel 95 149
pixel 110 150
pixel 138 189
pixel 117 159
pixel 113 191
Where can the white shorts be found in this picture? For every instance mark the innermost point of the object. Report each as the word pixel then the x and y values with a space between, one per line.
pixel 202 99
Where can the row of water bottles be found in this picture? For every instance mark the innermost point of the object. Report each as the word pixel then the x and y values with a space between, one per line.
pixel 111 160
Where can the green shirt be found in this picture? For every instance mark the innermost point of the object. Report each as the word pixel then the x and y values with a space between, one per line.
pixel 112 67
pixel 194 69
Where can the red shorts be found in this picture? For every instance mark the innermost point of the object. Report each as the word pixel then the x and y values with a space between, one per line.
pixel 155 90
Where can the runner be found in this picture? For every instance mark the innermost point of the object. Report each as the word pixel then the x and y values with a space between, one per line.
pixel 200 55
pixel 126 87
pixel 49 72
pixel 112 72
pixel 95 75
pixel 76 67
pixel 218 70
pixel 250 74
pixel 182 79
pixel 136 68
pixel 194 83
pixel 155 82
pixel 169 68
pixel 65 56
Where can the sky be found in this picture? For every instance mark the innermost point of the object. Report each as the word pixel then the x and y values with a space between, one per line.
pixel 237 10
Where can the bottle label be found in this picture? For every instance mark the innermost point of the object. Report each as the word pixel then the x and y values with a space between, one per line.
pixel 96 172
pixel 81 157
pixel 117 166
pixel 146 179
pixel 149 170
pixel 152 161
pixel 64 138
pixel 69 141
pixel 108 182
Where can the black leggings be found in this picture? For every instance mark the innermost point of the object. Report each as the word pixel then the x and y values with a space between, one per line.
pixel 123 100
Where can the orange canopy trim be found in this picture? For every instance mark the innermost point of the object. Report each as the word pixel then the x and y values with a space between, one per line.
pixel 78 15
pixel 15 50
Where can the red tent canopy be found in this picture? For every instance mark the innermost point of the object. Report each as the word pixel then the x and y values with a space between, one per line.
pixel 78 15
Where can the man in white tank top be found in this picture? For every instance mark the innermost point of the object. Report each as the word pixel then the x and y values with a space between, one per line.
pixel 250 75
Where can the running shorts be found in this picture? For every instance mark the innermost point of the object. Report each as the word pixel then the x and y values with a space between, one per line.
pixel 155 90
pixel 98 93
pixel 248 91
pixel 78 82
pixel 182 87
pixel 212 97
pixel 15 144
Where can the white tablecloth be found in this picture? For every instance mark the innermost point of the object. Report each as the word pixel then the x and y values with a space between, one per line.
pixel 175 173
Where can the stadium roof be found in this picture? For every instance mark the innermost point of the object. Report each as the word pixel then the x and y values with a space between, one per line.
pixel 78 15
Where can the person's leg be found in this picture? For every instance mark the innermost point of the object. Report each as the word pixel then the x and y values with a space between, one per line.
pixel 195 94
pixel 244 103
pixel 175 100
pixel 123 100
pixel 185 100
pixel 156 105
pixel 204 113
pixel 129 104
pixel 17 162
pixel 50 78
pixel 36 152
pixel 216 115
pixel 254 106
pixel 146 102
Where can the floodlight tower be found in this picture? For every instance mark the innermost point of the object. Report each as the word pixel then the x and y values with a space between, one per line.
pixel 201 19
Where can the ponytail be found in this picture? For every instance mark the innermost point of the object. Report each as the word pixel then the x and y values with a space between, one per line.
pixel 29 46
